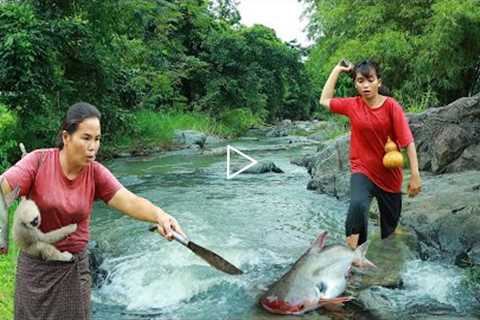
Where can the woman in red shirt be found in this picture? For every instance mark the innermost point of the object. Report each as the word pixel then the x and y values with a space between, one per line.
pixel 373 118
pixel 64 182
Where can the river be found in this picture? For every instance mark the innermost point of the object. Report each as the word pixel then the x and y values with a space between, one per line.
pixel 261 223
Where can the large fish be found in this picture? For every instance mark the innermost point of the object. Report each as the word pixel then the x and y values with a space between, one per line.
pixel 317 279
pixel 5 202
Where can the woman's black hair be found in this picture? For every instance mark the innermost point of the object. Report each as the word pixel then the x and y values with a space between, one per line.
pixel 366 68
pixel 75 115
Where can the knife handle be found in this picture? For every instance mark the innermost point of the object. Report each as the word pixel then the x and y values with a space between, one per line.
pixel 183 240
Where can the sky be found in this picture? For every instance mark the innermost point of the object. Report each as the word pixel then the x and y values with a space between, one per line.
pixel 284 16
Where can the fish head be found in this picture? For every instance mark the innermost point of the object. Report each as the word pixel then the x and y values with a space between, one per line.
pixel 305 297
pixel 295 303
pixel 299 290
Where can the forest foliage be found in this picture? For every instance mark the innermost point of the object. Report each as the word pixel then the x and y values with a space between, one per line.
pixel 130 57
pixel 193 59
pixel 429 50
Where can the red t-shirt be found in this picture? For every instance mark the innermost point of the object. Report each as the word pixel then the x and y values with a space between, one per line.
pixel 370 129
pixel 62 201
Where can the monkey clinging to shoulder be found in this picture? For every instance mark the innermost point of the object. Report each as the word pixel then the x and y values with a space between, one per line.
pixel 32 240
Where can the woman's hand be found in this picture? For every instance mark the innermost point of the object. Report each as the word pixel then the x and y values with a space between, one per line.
pixel 344 66
pixel 328 90
pixel 415 185
pixel 167 223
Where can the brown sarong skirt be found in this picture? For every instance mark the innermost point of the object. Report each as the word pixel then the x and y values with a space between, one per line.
pixel 52 290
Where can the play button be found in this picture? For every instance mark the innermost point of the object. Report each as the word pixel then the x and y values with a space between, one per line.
pixel 252 162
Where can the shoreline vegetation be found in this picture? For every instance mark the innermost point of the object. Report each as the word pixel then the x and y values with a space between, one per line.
pixel 156 131
pixel 7 275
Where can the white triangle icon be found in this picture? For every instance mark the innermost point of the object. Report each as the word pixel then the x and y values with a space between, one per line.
pixel 252 162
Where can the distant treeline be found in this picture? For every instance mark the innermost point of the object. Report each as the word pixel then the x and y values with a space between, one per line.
pixel 131 56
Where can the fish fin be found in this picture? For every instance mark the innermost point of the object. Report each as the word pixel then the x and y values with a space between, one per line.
pixel 361 260
pixel 362 249
pixel 367 264
pixel 334 301
pixel 12 196
pixel 320 241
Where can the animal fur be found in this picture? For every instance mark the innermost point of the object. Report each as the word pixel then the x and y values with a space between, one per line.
pixel 28 237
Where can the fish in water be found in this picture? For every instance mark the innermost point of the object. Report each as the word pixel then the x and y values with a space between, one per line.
pixel 317 279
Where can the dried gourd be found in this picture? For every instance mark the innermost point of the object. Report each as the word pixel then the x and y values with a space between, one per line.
pixel 392 158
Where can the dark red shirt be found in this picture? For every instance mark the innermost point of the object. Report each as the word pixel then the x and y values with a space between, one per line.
pixel 62 201
pixel 370 130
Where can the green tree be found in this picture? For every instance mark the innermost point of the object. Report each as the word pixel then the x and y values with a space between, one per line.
pixel 429 50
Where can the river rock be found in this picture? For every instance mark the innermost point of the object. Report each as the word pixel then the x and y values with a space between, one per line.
pixel 390 256
pixel 213 140
pixel 377 301
pixel 258 132
pixel 447 138
pixel 445 217
pixel 189 137
pixel 95 261
pixel 317 129
pixel 262 167
pixel 329 167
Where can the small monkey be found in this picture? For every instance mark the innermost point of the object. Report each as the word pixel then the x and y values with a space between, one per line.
pixel 27 235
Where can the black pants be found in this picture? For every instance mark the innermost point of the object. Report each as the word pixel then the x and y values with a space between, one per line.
pixel 362 191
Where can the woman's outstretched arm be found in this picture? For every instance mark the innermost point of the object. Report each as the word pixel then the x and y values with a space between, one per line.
pixel 328 91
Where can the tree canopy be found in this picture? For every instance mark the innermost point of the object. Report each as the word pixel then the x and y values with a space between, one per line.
pixel 131 55
pixel 429 49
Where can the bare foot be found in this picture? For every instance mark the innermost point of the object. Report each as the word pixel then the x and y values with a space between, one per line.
pixel 352 241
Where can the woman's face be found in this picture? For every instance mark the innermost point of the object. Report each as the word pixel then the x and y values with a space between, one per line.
pixel 367 86
pixel 81 146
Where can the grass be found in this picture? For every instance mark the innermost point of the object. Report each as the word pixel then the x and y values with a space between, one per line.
pixel 7 276
pixel 419 103
pixel 158 128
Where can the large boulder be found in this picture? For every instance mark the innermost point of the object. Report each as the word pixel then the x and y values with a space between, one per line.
pixel 261 167
pixel 189 138
pixel 448 138
pixel 329 167
pixel 446 217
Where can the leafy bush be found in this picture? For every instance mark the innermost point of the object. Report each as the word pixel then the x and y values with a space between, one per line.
pixel 8 123
pixel 238 121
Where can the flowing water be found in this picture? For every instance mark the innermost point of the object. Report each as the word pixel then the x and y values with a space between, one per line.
pixel 260 223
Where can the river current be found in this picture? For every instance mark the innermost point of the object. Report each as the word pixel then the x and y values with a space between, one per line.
pixel 261 223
